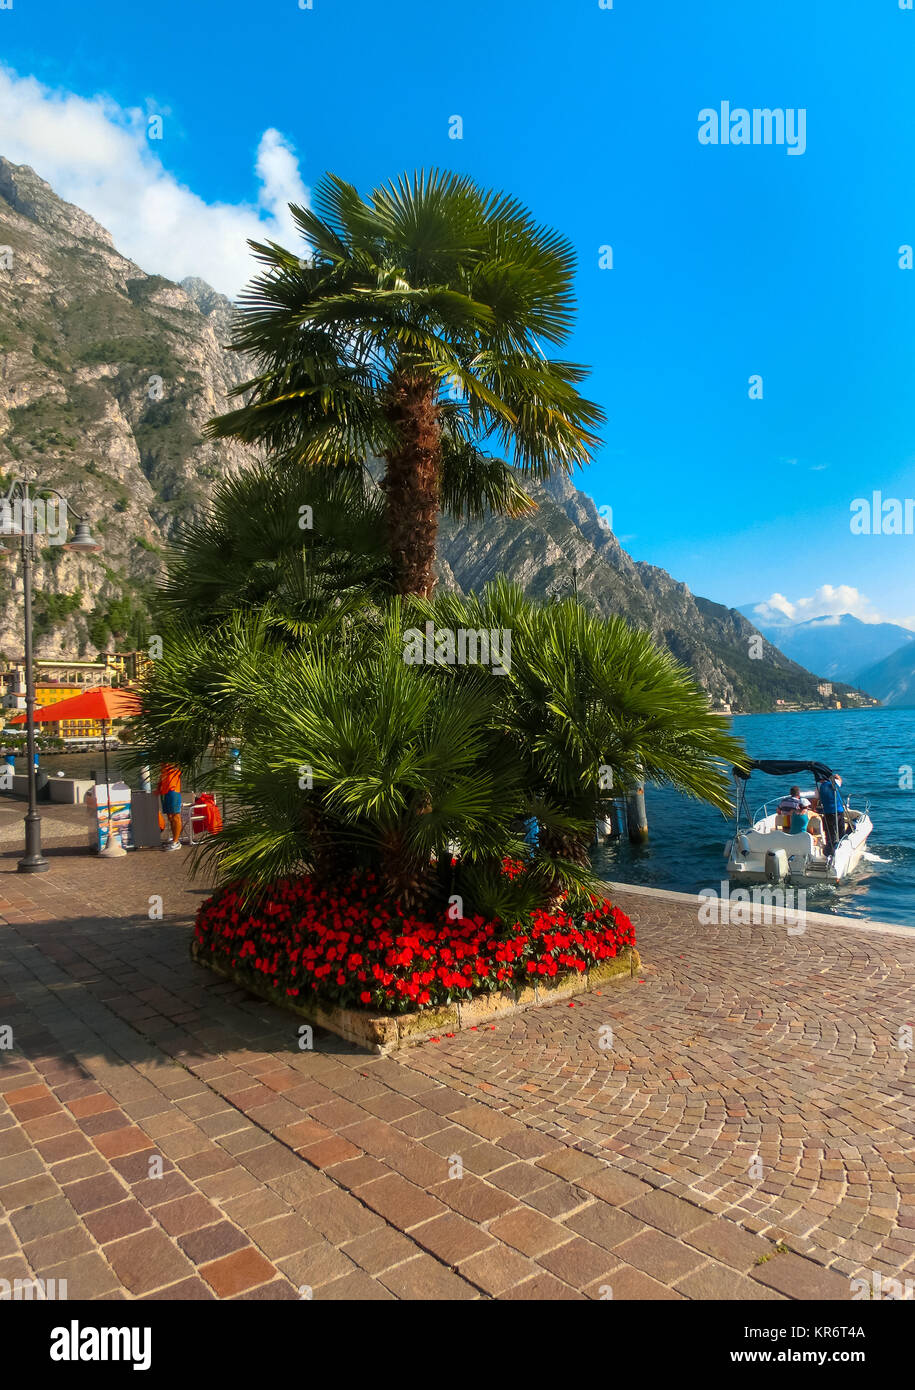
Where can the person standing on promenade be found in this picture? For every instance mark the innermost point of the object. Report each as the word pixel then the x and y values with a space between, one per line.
pixel 169 790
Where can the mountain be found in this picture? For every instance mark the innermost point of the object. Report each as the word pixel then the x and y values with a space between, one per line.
pixel 837 646
pixel 107 377
pixel 893 679
pixel 729 657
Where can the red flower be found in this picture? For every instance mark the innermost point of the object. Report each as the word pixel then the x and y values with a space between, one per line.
pixel 302 938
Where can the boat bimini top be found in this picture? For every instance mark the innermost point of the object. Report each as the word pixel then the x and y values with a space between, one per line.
pixel 780 767
pixel 775 767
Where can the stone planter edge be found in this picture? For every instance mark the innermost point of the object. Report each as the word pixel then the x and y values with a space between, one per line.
pixel 384 1033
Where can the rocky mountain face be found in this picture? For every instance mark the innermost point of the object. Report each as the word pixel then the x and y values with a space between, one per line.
pixel 107 377
pixel 566 543
pixel 892 680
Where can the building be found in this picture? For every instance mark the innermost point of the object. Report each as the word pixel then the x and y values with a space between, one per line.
pixel 49 693
pixel 57 679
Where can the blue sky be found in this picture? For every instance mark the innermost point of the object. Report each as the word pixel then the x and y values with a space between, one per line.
pixel 728 261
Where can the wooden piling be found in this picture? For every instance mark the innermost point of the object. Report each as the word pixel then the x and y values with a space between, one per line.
pixel 636 816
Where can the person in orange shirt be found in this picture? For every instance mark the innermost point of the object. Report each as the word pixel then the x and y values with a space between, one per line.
pixel 169 791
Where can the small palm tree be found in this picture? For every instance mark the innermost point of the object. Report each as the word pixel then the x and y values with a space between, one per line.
pixel 591 706
pixel 288 545
pixel 412 332
pixel 350 758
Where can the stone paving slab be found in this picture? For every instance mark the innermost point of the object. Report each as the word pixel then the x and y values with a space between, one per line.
pixel 162 1134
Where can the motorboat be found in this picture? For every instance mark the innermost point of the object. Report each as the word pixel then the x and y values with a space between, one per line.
pixel 764 847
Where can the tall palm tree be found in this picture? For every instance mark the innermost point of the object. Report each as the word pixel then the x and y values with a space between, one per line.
pixel 412 331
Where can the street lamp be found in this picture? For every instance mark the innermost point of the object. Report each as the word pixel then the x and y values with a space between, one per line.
pixel 563 586
pixel 20 495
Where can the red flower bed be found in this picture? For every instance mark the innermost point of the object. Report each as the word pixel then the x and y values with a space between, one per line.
pixel 353 949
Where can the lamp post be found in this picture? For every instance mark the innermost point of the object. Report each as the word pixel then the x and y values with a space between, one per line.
pixel 562 587
pixel 20 496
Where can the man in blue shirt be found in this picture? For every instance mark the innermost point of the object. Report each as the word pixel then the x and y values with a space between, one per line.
pixel 833 808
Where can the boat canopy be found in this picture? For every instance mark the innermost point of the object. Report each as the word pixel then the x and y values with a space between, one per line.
pixel 779 767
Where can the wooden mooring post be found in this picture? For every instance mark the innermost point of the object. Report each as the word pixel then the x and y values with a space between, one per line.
pixel 636 816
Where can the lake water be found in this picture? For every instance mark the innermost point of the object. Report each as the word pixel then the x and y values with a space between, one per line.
pixel 870 748
pixel 686 849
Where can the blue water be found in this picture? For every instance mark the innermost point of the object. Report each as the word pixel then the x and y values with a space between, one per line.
pixel 868 747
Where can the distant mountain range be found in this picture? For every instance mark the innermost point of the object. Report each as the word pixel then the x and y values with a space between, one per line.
pixel 893 679
pixel 107 376
pixel 839 647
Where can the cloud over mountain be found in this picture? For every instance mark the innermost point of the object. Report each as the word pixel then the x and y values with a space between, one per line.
pixel 828 602
pixel 97 155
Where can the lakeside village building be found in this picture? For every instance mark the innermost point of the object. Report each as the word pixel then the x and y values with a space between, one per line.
pixel 56 679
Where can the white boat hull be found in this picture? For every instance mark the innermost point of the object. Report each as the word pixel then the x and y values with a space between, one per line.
pixel 766 854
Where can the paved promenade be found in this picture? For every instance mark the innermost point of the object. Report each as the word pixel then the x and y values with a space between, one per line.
pixel 750 1134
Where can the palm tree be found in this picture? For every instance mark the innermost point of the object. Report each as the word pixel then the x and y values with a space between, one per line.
pixel 350 757
pixel 289 545
pixel 590 703
pixel 412 332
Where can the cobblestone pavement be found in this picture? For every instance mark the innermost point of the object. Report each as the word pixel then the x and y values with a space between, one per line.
pixel 162 1135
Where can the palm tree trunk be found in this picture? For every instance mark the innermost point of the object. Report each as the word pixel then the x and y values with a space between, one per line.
pixel 411 482
pixel 562 847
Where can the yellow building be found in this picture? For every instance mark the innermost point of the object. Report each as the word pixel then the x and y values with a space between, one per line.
pixel 58 679
pixel 48 693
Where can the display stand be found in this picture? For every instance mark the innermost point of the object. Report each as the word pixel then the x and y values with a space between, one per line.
pixel 115 818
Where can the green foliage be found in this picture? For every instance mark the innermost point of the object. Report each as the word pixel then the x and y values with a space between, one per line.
pixel 284 543
pixel 98 630
pixel 122 623
pixel 435 285
pixel 401 760
pixel 49 611
pixel 141 291
pixel 54 424
pixel 165 429
pixel 407 761
pixel 590 697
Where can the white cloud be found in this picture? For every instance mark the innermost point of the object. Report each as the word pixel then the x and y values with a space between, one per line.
pixel 96 154
pixel 828 604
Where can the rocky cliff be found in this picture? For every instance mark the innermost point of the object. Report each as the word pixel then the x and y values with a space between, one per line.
pixel 566 544
pixel 107 376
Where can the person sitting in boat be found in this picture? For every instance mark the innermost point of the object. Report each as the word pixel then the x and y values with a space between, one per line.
pixel 832 808
pixel 793 806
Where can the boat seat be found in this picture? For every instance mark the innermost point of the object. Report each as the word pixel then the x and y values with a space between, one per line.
pixel 760 841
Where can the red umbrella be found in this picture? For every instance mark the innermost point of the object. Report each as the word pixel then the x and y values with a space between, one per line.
pixel 101 702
